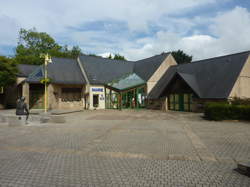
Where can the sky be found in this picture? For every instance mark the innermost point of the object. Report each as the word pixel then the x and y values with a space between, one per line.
pixel 136 29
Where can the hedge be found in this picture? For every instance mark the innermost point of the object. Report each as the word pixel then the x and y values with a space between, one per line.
pixel 224 111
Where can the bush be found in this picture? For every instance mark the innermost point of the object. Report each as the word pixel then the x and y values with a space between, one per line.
pixel 224 111
pixel 240 101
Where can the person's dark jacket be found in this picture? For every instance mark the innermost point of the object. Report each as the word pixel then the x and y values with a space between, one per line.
pixel 21 108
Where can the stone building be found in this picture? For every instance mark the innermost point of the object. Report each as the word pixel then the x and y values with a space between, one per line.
pixel 187 87
pixel 91 82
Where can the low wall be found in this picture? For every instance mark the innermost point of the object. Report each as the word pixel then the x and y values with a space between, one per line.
pixel 156 104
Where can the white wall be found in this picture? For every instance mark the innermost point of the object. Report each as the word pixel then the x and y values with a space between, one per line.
pixel 98 90
pixel 169 61
pixel 242 86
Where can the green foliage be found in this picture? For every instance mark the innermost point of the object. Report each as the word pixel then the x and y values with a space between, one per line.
pixel 91 54
pixel 45 80
pixel 224 111
pixel 8 71
pixel 181 57
pixel 118 57
pixel 32 43
pixel 110 56
pixel 239 101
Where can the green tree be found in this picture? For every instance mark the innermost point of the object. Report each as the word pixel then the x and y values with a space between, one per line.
pixel 32 43
pixel 8 71
pixel 119 57
pixel 110 56
pixel 181 57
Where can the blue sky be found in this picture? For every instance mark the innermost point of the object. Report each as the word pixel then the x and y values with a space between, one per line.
pixel 134 28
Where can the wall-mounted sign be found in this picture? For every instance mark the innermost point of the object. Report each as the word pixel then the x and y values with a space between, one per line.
pixel 102 98
pixel 97 89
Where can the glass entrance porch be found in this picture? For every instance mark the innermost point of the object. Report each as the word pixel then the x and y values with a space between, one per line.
pixel 125 93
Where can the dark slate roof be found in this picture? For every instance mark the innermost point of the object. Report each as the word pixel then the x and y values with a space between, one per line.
pixel 60 71
pixel 102 70
pixel 145 68
pixel 210 78
pixel 24 69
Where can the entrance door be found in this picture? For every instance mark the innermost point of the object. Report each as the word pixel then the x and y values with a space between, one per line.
pixel 96 100
pixel 181 102
pixel 37 99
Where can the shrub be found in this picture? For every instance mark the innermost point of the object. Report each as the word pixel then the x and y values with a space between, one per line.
pixel 224 111
pixel 240 101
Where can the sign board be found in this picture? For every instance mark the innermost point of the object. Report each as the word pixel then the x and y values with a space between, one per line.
pixel 97 89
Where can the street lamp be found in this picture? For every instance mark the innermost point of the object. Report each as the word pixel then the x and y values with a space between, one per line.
pixel 47 59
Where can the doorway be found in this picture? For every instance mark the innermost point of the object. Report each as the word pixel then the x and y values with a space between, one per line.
pixel 180 102
pixel 96 100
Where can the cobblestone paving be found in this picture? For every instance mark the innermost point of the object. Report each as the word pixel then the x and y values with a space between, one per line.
pixel 128 148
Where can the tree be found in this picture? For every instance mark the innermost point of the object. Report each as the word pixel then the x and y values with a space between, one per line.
pixel 110 56
pixel 119 57
pixel 8 71
pixel 32 44
pixel 181 57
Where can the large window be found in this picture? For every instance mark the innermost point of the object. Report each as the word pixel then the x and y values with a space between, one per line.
pixel 71 94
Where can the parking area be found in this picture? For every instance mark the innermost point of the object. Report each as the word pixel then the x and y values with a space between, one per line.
pixel 125 148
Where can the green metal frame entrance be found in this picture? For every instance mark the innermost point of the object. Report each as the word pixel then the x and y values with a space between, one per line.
pixel 180 102
pixel 126 99
pixel 126 92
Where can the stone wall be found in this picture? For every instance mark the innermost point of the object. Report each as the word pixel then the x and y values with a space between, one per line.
pixel 157 104
pixel 55 97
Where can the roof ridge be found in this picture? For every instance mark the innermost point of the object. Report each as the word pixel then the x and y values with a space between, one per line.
pixel 223 56
pixel 167 53
pixel 100 57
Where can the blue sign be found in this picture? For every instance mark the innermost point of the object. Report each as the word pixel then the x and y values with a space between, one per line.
pixel 97 89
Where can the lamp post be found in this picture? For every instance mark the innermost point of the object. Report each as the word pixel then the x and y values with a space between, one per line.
pixel 47 59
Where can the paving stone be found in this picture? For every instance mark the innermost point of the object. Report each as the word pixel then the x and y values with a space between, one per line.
pixel 90 151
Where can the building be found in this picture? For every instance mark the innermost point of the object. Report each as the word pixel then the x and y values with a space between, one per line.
pixel 92 82
pixel 187 87
pixel 9 95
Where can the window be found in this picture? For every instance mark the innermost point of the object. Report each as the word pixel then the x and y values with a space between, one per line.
pixel 1 89
pixel 71 94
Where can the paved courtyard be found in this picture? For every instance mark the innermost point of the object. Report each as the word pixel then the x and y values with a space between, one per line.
pixel 125 148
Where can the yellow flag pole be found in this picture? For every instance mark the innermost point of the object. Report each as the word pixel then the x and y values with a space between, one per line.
pixel 45 83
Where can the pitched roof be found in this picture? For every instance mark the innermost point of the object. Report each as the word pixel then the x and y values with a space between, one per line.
pixel 98 70
pixel 145 68
pixel 25 69
pixel 103 70
pixel 128 81
pixel 209 78
pixel 60 71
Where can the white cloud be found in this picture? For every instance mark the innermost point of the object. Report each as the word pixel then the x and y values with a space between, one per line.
pixel 106 55
pixel 53 16
pixel 229 34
